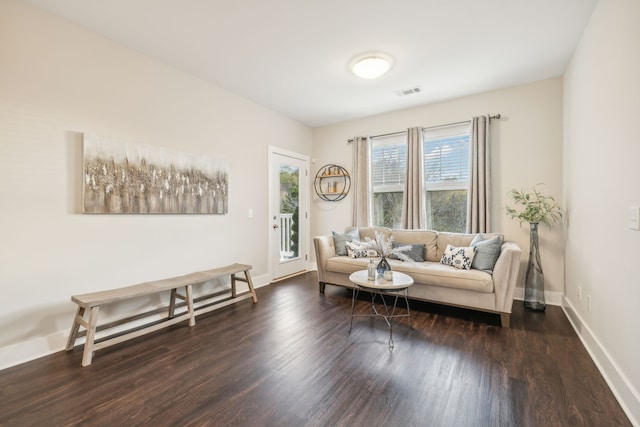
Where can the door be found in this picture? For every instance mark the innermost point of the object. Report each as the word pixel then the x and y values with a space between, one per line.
pixel 288 212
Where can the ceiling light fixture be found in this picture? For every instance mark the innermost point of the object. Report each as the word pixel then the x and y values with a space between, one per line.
pixel 371 65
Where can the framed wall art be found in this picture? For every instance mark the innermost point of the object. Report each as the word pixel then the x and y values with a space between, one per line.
pixel 126 178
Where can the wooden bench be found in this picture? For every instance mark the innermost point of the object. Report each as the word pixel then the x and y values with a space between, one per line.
pixel 91 303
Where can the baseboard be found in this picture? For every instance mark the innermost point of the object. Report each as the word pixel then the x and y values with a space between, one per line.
pixel 38 347
pixel 31 349
pixel 550 298
pixel 626 395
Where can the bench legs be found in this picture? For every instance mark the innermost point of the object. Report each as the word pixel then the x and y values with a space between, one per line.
pixel 247 279
pixel 188 298
pixel 87 355
pixel 192 313
pixel 75 328
pixel 90 326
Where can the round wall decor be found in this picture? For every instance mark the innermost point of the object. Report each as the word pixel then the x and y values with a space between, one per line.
pixel 332 183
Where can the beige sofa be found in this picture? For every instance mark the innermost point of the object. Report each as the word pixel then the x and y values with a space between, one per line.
pixel 434 282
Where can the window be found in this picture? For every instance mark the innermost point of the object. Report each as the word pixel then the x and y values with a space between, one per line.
pixel 446 173
pixel 388 171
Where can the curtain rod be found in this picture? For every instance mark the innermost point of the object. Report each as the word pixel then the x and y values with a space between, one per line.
pixel 496 116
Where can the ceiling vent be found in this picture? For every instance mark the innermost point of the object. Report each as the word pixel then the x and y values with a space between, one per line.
pixel 410 91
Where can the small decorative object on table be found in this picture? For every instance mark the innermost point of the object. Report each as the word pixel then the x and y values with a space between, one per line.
pixel 383 266
pixel 536 208
pixel 384 248
pixel 371 271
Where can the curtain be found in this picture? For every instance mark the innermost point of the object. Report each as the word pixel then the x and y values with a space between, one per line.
pixel 478 196
pixel 362 215
pixel 413 209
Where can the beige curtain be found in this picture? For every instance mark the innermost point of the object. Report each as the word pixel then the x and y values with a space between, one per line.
pixel 362 216
pixel 479 193
pixel 413 210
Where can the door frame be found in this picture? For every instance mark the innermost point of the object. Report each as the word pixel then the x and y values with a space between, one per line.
pixel 305 225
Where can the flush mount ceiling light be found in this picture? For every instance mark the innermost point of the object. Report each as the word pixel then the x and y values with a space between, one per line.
pixel 370 65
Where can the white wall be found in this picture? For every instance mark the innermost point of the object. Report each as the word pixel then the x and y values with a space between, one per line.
pixel 58 80
pixel 601 155
pixel 527 149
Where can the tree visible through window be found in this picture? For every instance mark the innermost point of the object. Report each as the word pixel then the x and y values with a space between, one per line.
pixel 446 173
pixel 289 206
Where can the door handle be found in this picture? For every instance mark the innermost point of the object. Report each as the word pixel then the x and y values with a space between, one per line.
pixel 275 226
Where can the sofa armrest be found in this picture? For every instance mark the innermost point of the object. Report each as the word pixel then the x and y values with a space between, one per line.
pixel 325 249
pixel 505 275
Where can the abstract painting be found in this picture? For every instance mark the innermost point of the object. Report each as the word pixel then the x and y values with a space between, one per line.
pixel 121 177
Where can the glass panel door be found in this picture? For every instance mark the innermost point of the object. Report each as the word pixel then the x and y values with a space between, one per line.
pixel 289 185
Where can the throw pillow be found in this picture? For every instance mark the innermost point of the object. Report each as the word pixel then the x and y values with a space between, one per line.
pixel 339 240
pixel 487 252
pixel 359 250
pixel 416 252
pixel 458 257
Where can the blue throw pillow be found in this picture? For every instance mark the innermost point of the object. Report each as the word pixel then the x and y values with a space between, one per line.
pixel 487 252
pixel 340 240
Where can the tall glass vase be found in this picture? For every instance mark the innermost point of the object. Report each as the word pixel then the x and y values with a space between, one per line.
pixel 534 283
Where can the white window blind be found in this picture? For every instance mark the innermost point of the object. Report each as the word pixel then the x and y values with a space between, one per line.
pixel 446 157
pixel 388 162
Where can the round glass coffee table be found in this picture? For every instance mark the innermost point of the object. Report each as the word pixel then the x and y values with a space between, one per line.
pixel 398 287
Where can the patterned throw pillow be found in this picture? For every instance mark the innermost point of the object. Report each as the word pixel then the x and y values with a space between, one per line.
pixel 458 257
pixel 358 250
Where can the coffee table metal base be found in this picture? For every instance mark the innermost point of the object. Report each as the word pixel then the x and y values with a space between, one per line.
pixel 389 311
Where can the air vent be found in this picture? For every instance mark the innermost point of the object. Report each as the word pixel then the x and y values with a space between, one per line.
pixel 410 91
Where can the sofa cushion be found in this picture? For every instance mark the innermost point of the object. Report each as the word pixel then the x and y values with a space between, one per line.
pixel 454 239
pixel 436 274
pixel 425 273
pixel 370 232
pixel 487 252
pixel 346 265
pixel 458 240
pixel 339 240
pixel 426 237
pixel 458 257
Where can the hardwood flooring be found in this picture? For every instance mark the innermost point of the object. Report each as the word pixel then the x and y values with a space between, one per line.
pixel 289 361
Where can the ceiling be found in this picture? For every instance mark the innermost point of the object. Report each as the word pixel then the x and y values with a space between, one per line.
pixel 292 56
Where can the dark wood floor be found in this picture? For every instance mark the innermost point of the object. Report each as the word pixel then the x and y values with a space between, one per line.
pixel 289 361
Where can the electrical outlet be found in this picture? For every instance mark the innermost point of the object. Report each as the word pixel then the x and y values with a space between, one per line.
pixel 579 293
pixel 589 303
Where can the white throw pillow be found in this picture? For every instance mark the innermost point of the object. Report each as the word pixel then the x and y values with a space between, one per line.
pixel 359 250
pixel 458 257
